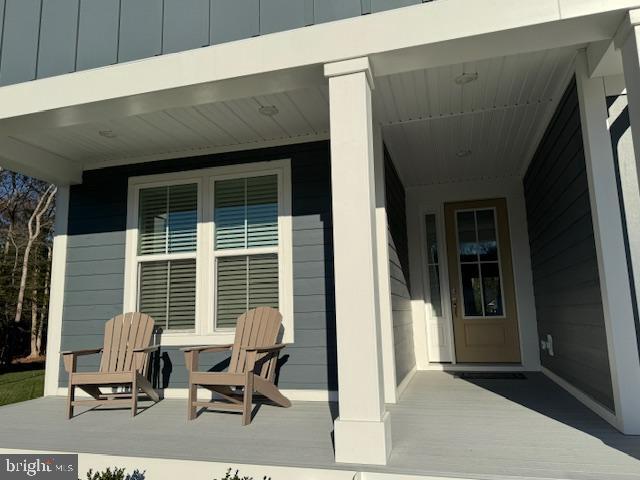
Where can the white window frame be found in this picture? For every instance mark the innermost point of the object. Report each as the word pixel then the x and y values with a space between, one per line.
pixel 205 330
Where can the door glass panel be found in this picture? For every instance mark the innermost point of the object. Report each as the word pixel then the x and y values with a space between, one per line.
pixel 471 290
pixel 479 263
pixel 491 289
pixel 432 265
pixel 467 238
pixel 487 242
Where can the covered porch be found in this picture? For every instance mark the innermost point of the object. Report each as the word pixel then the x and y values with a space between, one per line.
pixel 374 145
pixel 442 427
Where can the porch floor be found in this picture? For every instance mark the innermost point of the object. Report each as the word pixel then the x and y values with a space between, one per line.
pixel 445 426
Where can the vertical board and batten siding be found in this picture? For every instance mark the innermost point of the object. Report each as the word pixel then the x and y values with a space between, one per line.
pixel 140 29
pixel 98 29
pixel 41 38
pixel 563 256
pixel 20 37
pixel 96 251
pixel 399 270
pixel 58 35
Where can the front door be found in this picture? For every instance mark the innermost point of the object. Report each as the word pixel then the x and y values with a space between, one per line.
pixel 483 307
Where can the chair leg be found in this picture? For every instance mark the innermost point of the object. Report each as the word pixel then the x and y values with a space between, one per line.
pixel 70 397
pixel 247 406
pixel 134 395
pixel 193 397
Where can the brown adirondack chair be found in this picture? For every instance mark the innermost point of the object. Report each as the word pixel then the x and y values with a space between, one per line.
pixel 254 355
pixel 124 362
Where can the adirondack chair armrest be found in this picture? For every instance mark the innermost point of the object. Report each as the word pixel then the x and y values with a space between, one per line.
pixel 271 348
pixel 208 348
pixel 77 353
pixel 69 357
pixel 149 349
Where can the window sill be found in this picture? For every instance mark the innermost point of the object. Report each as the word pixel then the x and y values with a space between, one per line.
pixel 193 339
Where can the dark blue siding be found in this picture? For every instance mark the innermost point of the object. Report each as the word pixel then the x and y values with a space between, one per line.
pixel 96 250
pixel 563 256
pixel 83 34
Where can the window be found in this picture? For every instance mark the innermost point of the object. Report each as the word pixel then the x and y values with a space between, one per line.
pixel 204 246
pixel 166 254
pixel 433 268
pixel 245 245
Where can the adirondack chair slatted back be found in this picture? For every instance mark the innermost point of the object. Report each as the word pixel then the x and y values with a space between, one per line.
pixel 122 334
pixel 258 327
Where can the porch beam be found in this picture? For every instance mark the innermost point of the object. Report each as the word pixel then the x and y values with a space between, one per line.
pixel 615 280
pixel 362 430
pixel 35 162
pixel 627 40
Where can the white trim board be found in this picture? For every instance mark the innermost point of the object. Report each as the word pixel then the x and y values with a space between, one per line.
pixel 583 398
pixel 296 395
pixel 461 367
pixel 56 300
pixel 402 386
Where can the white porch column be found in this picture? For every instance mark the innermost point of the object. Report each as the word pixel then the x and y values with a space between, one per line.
pixel 362 431
pixel 627 40
pixel 56 292
pixel 615 283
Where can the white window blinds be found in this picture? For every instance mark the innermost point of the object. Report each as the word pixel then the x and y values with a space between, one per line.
pixel 167 219
pixel 246 212
pixel 167 226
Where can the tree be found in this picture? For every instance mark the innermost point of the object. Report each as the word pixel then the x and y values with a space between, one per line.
pixel 26 234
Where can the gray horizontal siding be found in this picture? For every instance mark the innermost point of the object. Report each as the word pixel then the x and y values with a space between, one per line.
pixel 563 256
pixel 399 270
pixel 41 38
pixel 95 264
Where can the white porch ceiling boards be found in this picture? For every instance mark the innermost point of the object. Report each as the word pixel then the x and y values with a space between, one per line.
pixel 302 114
pixel 428 118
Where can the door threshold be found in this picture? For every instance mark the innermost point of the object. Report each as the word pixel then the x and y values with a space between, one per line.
pixel 475 367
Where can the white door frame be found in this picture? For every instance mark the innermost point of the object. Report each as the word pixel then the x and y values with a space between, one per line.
pixel 429 199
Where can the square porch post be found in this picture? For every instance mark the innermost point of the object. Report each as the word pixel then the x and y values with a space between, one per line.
pixel 362 431
pixel 615 275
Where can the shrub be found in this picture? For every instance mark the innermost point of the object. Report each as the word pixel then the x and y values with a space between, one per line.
pixel 115 474
pixel 235 476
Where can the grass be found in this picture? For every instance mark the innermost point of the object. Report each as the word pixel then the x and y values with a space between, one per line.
pixel 20 386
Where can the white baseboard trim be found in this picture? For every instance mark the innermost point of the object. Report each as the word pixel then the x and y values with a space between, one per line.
pixel 457 367
pixel 583 398
pixel 296 395
pixel 402 386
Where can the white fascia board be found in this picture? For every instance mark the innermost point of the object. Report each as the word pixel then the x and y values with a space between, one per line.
pixel 578 8
pixel 279 55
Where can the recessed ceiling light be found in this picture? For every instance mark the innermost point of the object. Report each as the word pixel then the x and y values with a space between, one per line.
pixel 107 133
pixel 463 153
pixel 466 78
pixel 268 110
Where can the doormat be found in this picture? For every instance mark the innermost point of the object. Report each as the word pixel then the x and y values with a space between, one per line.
pixel 491 375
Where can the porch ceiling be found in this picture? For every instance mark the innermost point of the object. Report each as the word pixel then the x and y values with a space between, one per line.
pixel 439 131
pixel 302 113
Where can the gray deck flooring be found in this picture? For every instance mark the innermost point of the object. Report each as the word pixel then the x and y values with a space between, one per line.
pixel 443 425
